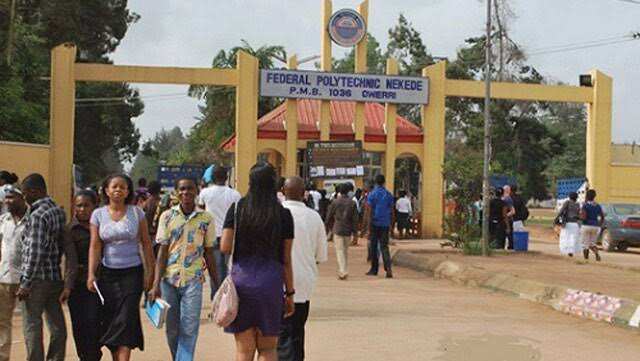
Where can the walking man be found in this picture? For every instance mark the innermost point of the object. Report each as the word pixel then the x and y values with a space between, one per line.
pixel 216 199
pixel 12 226
pixel 309 249
pixel 41 283
pixel 186 236
pixel 381 203
pixel 342 220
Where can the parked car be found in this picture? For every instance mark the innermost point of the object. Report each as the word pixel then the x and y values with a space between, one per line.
pixel 621 226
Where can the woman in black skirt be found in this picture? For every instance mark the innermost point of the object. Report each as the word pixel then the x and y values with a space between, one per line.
pixel 117 232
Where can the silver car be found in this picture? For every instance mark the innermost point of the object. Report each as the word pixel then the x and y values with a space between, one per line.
pixel 621 226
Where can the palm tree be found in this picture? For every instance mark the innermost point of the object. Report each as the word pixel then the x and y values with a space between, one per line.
pixel 217 119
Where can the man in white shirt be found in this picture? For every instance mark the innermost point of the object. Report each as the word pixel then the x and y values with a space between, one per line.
pixel 12 226
pixel 217 199
pixel 316 196
pixel 309 249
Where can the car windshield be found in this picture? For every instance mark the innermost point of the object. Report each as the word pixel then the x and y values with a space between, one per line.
pixel 626 209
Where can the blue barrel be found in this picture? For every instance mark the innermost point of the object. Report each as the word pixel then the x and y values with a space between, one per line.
pixel 521 241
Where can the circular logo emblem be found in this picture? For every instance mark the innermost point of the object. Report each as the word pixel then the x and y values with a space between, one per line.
pixel 346 27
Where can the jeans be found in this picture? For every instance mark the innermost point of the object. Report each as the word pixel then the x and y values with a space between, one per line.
pixel 183 318
pixel 291 340
pixel 7 304
pixel 222 260
pixel 43 298
pixel 83 308
pixel 380 238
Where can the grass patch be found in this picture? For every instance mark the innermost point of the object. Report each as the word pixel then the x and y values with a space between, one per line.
pixel 546 222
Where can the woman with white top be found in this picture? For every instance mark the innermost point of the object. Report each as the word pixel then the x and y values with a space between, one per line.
pixel 403 211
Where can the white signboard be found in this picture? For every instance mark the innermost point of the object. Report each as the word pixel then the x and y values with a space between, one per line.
pixel 345 87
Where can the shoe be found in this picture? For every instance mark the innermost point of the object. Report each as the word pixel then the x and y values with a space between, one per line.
pixel 342 278
pixel 389 275
pixel 371 273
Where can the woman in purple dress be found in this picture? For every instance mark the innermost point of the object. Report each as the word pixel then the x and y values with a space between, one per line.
pixel 261 265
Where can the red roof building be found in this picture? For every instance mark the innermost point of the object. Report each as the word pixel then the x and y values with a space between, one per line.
pixel 271 125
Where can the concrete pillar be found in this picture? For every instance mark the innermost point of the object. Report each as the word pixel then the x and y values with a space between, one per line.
pixel 246 119
pixel 361 67
pixel 291 154
pixel 390 113
pixel 599 135
pixel 61 127
pixel 324 116
pixel 433 123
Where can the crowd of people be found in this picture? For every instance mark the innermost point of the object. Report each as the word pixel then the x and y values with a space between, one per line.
pixel 507 214
pixel 123 243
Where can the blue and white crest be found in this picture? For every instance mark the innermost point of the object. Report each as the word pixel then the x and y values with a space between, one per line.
pixel 346 27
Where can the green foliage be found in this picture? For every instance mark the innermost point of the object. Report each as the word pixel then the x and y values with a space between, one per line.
pixel 164 148
pixel 104 133
pixel 376 60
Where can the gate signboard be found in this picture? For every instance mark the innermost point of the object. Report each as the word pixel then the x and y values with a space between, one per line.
pixel 335 159
pixel 345 87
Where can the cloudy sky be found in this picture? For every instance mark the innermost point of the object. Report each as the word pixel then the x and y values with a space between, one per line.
pixel 191 32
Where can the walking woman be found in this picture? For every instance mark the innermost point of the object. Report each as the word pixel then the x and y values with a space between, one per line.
pixel 261 265
pixel 83 305
pixel 592 218
pixel 568 218
pixel 119 245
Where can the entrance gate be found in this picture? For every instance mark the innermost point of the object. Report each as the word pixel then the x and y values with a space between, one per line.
pixel 613 182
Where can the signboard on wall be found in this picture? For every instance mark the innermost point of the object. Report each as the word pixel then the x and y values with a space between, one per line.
pixel 335 159
pixel 345 87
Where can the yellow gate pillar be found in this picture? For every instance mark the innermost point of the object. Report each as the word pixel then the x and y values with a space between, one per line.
pixel 433 123
pixel 61 127
pixel 599 135
pixel 390 113
pixel 246 119
pixel 361 67
pixel 324 115
pixel 291 123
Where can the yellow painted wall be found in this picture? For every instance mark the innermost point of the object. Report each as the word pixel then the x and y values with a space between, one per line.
pixel 624 182
pixel 24 159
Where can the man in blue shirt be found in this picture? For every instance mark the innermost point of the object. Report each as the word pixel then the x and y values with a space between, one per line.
pixel 380 202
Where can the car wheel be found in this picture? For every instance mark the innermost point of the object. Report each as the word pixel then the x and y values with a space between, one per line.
pixel 607 243
pixel 622 246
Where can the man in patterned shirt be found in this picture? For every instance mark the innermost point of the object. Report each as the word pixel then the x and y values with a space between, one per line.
pixel 186 237
pixel 41 282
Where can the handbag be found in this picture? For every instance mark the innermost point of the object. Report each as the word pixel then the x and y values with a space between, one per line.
pixel 224 307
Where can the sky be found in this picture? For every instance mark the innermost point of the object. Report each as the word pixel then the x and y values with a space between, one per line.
pixel 190 32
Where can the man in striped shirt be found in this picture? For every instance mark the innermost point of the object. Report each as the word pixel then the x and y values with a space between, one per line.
pixel 41 282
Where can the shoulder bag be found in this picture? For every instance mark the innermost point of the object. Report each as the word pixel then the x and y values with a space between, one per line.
pixel 224 307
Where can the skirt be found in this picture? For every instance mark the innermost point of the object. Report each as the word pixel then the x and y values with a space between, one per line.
pixel 259 282
pixel 589 235
pixel 120 315
pixel 570 239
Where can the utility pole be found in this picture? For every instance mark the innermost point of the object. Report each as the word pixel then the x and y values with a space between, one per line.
pixel 487 138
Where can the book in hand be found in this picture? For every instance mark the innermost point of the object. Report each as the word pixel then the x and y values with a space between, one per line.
pixel 157 312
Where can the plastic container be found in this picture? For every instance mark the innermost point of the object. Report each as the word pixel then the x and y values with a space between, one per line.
pixel 521 241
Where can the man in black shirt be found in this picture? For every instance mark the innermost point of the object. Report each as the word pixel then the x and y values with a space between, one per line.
pixel 498 221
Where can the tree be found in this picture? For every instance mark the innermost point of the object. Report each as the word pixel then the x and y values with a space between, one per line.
pixel 97 28
pixel 161 149
pixel 217 119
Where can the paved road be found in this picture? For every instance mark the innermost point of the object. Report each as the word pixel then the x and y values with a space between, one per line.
pixel 414 317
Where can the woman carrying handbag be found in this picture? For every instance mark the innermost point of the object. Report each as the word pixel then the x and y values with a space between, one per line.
pixel 261 265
